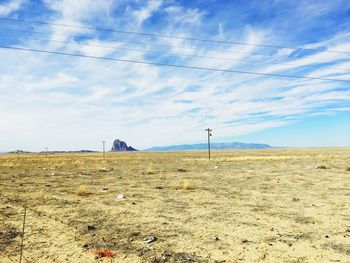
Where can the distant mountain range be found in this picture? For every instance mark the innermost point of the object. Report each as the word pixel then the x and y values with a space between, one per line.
pixel 214 146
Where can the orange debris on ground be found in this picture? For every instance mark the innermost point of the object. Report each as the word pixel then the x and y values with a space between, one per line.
pixel 103 253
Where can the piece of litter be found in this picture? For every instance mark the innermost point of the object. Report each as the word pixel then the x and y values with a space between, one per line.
pixel 150 239
pixel 101 253
pixel 120 196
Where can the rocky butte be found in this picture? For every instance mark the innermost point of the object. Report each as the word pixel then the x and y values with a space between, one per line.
pixel 120 146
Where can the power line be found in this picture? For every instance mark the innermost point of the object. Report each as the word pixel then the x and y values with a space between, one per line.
pixel 156 45
pixel 173 65
pixel 115 48
pixel 185 47
pixel 172 37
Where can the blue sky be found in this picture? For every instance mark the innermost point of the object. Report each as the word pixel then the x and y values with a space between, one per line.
pixel 67 103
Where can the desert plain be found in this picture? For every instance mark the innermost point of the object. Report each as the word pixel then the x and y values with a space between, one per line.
pixel 276 205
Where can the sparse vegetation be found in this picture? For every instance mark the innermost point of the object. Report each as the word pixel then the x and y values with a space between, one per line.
pixel 186 185
pixel 186 203
pixel 321 167
pixel 150 169
pixel 81 190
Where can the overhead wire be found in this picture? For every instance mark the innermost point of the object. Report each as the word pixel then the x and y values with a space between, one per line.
pixel 189 48
pixel 173 65
pixel 171 37
pixel 116 48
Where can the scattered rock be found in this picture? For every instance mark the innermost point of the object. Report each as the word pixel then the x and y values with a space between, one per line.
pixel 104 189
pixel 7 235
pixel 321 167
pixel 91 227
pixel 104 169
pixel 150 239
pixel 185 258
pixel 181 170
pixel 166 256
pixel 294 199
pixel 120 196
pixel 216 167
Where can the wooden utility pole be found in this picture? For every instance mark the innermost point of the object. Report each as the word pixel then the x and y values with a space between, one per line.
pixel 104 149
pixel 46 152
pixel 209 134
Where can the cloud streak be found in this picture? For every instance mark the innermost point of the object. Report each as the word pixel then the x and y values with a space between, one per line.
pixel 76 102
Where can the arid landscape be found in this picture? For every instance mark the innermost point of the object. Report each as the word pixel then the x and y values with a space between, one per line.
pixel 277 205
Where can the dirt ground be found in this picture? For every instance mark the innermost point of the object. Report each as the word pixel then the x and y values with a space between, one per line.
pixel 280 205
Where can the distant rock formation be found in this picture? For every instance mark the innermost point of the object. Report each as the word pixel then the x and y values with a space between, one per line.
pixel 120 146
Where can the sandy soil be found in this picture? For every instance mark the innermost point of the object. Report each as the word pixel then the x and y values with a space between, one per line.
pixel 241 206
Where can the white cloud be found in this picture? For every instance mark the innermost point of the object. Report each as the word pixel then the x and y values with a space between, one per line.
pixel 145 12
pixel 80 10
pixel 180 15
pixel 10 7
pixel 75 96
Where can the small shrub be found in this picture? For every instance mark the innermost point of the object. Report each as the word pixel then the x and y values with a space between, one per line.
pixel 81 191
pixel 348 169
pixel 321 167
pixel 186 185
pixel 149 169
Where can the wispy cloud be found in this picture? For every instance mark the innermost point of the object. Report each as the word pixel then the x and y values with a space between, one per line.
pixel 50 92
pixel 10 7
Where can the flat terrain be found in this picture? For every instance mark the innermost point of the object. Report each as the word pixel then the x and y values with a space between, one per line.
pixel 241 206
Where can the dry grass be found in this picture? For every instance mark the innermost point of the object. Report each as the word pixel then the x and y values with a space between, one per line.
pixel 150 169
pixel 186 185
pixel 81 190
pixel 241 206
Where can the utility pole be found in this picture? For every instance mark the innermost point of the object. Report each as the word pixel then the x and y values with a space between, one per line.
pixel 46 152
pixel 209 134
pixel 104 149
